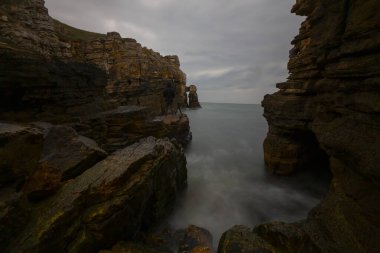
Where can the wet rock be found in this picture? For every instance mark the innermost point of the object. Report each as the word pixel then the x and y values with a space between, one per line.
pixel 267 238
pixel 129 247
pixel 195 240
pixel 241 239
pixel 172 126
pixel 130 189
pixel 191 239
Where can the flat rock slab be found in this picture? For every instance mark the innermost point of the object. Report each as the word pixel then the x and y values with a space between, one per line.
pixel 69 152
pixel 110 201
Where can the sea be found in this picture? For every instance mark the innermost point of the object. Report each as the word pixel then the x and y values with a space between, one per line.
pixel 227 181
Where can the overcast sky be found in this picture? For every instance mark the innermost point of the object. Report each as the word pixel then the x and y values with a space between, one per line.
pixel 235 51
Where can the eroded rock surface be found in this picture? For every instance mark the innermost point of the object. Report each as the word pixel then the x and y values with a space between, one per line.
pixel 125 125
pixel 38 158
pixel 326 116
pixel 195 240
pixel 130 189
pixel 48 62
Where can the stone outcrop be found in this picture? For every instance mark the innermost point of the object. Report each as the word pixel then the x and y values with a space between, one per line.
pixel 125 125
pixel 195 240
pixel 326 116
pixel 135 75
pixel 68 99
pixel 267 238
pixel 64 156
pixel 38 52
pixel 27 24
pixel 37 158
pixel 113 200
pixel 35 88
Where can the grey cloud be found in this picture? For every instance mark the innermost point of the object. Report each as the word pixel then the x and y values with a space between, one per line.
pixel 250 38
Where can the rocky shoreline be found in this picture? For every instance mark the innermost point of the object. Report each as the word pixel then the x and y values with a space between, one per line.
pixel 89 164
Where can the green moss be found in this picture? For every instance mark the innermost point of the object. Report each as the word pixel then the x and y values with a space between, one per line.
pixel 66 32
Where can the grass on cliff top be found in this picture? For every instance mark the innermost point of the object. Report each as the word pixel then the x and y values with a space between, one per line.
pixel 66 32
pixel 13 1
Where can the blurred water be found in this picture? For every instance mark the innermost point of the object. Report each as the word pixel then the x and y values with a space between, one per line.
pixel 227 182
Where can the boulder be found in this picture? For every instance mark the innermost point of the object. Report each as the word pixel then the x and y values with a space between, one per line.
pixel 267 238
pixel 131 247
pixel 20 149
pixel 194 239
pixel 68 152
pixel 241 239
pixel 45 180
pixel 36 158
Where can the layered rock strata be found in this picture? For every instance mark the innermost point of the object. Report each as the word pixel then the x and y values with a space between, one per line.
pixel 127 124
pixel 113 200
pixel 135 75
pixel 326 116
pixel 101 66
pixel 36 88
pixel 61 189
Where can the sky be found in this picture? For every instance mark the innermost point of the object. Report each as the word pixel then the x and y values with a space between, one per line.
pixel 234 51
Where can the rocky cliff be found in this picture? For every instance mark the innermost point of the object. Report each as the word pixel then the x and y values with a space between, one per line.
pixel 85 161
pixel 327 116
pixel 33 43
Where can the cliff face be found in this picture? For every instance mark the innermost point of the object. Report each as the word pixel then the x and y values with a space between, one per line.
pixel 327 116
pixel 27 24
pixel 60 190
pixel 134 75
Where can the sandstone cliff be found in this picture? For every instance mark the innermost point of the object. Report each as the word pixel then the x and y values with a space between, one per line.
pixel 81 165
pixel 34 44
pixel 326 116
